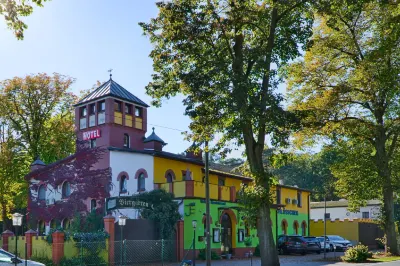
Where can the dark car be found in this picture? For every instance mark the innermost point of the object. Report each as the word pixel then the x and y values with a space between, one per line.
pixel 338 242
pixel 313 244
pixel 292 244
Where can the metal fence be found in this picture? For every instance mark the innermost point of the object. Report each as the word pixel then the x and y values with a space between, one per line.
pixel 142 252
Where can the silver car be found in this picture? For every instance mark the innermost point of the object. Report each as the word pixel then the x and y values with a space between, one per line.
pixel 7 258
pixel 338 243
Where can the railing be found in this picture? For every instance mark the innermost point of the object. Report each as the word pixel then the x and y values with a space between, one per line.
pixel 196 189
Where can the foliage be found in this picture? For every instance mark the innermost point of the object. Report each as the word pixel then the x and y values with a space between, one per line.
pixel 252 196
pixel 257 251
pixel 357 253
pixel 248 241
pixel 42 259
pixel 86 223
pixel 13 10
pixel 49 236
pixel 39 108
pixel 202 255
pixel 347 89
pixel 93 244
pixel 71 261
pixel 165 211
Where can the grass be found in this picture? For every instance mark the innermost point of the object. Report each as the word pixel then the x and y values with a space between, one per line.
pixel 384 259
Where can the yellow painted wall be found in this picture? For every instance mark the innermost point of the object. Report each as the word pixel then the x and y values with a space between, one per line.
pixel 179 189
pixel 225 193
pixel 138 123
pixel 118 118
pixel 292 194
pixel 21 246
pixel 128 120
pixel 345 228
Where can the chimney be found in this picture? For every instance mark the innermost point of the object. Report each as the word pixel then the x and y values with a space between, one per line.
pixel 193 154
pixel 37 164
pixel 154 142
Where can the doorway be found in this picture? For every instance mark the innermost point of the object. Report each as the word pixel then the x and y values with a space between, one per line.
pixel 226 234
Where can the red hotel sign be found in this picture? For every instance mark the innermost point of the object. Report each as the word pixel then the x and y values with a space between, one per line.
pixel 94 134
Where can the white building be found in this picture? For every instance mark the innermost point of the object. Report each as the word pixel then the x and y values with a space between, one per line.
pixel 338 210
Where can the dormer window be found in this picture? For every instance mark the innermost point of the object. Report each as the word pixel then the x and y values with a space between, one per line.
pixel 92 109
pixel 221 181
pixel 117 106
pixel 83 112
pixel 138 111
pixel 128 109
pixel 127 141
pixel 102 106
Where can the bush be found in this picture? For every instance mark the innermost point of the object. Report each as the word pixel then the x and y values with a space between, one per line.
pixel 257 251
pixel 357 253
pixel 45 260
pixel 69 262
pixel 202 255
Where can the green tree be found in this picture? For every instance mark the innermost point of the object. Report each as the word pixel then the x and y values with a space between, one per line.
pixel 39 109
pixel 13 165
pixel 13 10
pixel 223 55
pixel 348 88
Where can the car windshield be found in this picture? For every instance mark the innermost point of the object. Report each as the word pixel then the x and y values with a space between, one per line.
pixel 320 239
pixel 310 238
pixel 336 238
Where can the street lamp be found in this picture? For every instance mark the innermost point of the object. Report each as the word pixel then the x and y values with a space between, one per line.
pixel 17 221
pixel 194 224
pixel 122 222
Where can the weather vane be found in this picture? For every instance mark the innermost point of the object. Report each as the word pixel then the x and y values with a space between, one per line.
pixel 110 70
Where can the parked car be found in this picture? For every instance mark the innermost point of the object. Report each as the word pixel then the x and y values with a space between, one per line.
pixel 339 242
pixel 322 244
pixel 313 244
pixel 292 244
pixel 7 258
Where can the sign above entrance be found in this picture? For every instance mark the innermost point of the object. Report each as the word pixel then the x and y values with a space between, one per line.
pixel 133 202
pixel 289 212
pixel 93 134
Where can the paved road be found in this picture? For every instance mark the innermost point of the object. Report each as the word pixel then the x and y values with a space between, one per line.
pixel 309 260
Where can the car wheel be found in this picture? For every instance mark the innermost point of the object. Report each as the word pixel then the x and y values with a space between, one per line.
pixel 303 253
pixel 319 252
pixel 331 248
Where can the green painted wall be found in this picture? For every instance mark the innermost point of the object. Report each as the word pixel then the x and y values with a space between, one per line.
pixel 300 217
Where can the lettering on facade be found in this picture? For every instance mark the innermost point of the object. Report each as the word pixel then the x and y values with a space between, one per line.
pixel 93 134
pixel 288 212
pixel 127 203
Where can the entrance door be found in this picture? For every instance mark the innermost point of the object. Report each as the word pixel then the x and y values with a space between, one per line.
pixel 226 233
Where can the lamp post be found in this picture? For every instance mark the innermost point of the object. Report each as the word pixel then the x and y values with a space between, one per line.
pixel 122 222
pixel 17 221
pixel 194 224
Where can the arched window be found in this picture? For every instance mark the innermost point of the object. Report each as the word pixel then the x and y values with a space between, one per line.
pixel 123 184
pixel 170 178
pixel 66 223
pixel 303 228
pixel 141 182
pixel 127 141
pixel 42 193
pixel 284 227
pixel 93 205
pixel 66 190
pixel 41 227
pixel 53 224
pixel 296 228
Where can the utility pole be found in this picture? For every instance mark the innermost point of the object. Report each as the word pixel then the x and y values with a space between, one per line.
pixel 325 227
pixel 208 239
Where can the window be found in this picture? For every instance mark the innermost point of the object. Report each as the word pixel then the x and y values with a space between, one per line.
pixel 41 227
pixel 365 215
pixel 42 193
pixel 123 184
pixel 327 215
pixel 117 106
pixel 284 227
pixel 141 182
pixel 53 224
pixel 83 112
pixel 303 228
pixel 296 228
pixel 93 205
pixel 66 190
pixel 126 141
pixel 102 106
pixel 221 181
pixel 92 109
pixel 169 178
pixel 138 111
pixel 186 175
pixel 278 196
pixel 128 109
pixel 298 199
pixel 92 143
pixel 66 223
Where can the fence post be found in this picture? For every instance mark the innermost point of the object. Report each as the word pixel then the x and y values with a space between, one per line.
pixel 28 240
pixel 109 227
pixel 179 241
pixel 26 254
pixel 58 246
pixel 6 235
pixel 162 251
pixel 81 252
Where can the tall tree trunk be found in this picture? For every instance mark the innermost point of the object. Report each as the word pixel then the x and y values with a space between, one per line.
pixel 269 255
pixel 384 172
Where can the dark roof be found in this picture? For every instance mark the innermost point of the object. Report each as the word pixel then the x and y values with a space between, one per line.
pixel 113 89
pixel 38 162
pixel 154 137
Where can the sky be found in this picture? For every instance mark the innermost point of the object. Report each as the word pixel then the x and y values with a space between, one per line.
pixel 83 39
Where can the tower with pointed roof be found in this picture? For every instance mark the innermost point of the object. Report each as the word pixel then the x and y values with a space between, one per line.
pixel 111 116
